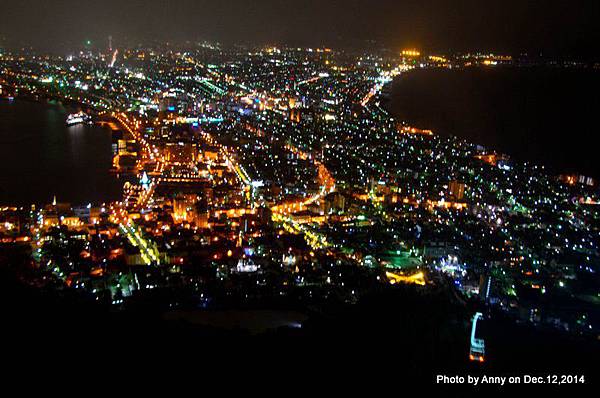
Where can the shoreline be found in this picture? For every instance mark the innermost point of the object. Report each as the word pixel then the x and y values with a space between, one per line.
pixel 396 98
pixel 81 160
pixel 44 100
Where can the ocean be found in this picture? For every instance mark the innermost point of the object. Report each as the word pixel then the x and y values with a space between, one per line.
pixel 41 157
pixel 544 115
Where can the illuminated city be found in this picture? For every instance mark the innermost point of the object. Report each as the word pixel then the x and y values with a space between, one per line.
pixel 269 190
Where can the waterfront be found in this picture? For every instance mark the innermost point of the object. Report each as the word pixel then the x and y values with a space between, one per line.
pixel 42 157
pixel 539 114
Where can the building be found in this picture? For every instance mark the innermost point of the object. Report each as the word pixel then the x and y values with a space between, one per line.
pixel 456 190
pixel 181 152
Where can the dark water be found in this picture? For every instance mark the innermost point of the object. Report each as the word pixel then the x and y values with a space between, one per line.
pixel 41 157
pixel 544 115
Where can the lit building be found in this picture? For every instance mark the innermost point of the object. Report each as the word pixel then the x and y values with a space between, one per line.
pixel 456 190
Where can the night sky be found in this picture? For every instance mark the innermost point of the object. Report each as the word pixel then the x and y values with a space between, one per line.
pixel 554 27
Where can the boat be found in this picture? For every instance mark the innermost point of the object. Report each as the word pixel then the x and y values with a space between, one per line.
pixel 78 118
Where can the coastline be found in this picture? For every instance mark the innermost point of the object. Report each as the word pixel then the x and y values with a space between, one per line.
pixel 50 154
pixel 480 113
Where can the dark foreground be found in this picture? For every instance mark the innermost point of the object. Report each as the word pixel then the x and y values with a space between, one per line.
pixel 389 339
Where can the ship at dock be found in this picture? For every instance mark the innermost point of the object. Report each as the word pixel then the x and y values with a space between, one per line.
pixel 78 118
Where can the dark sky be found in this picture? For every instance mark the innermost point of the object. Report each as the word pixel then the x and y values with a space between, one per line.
pixel 563 27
